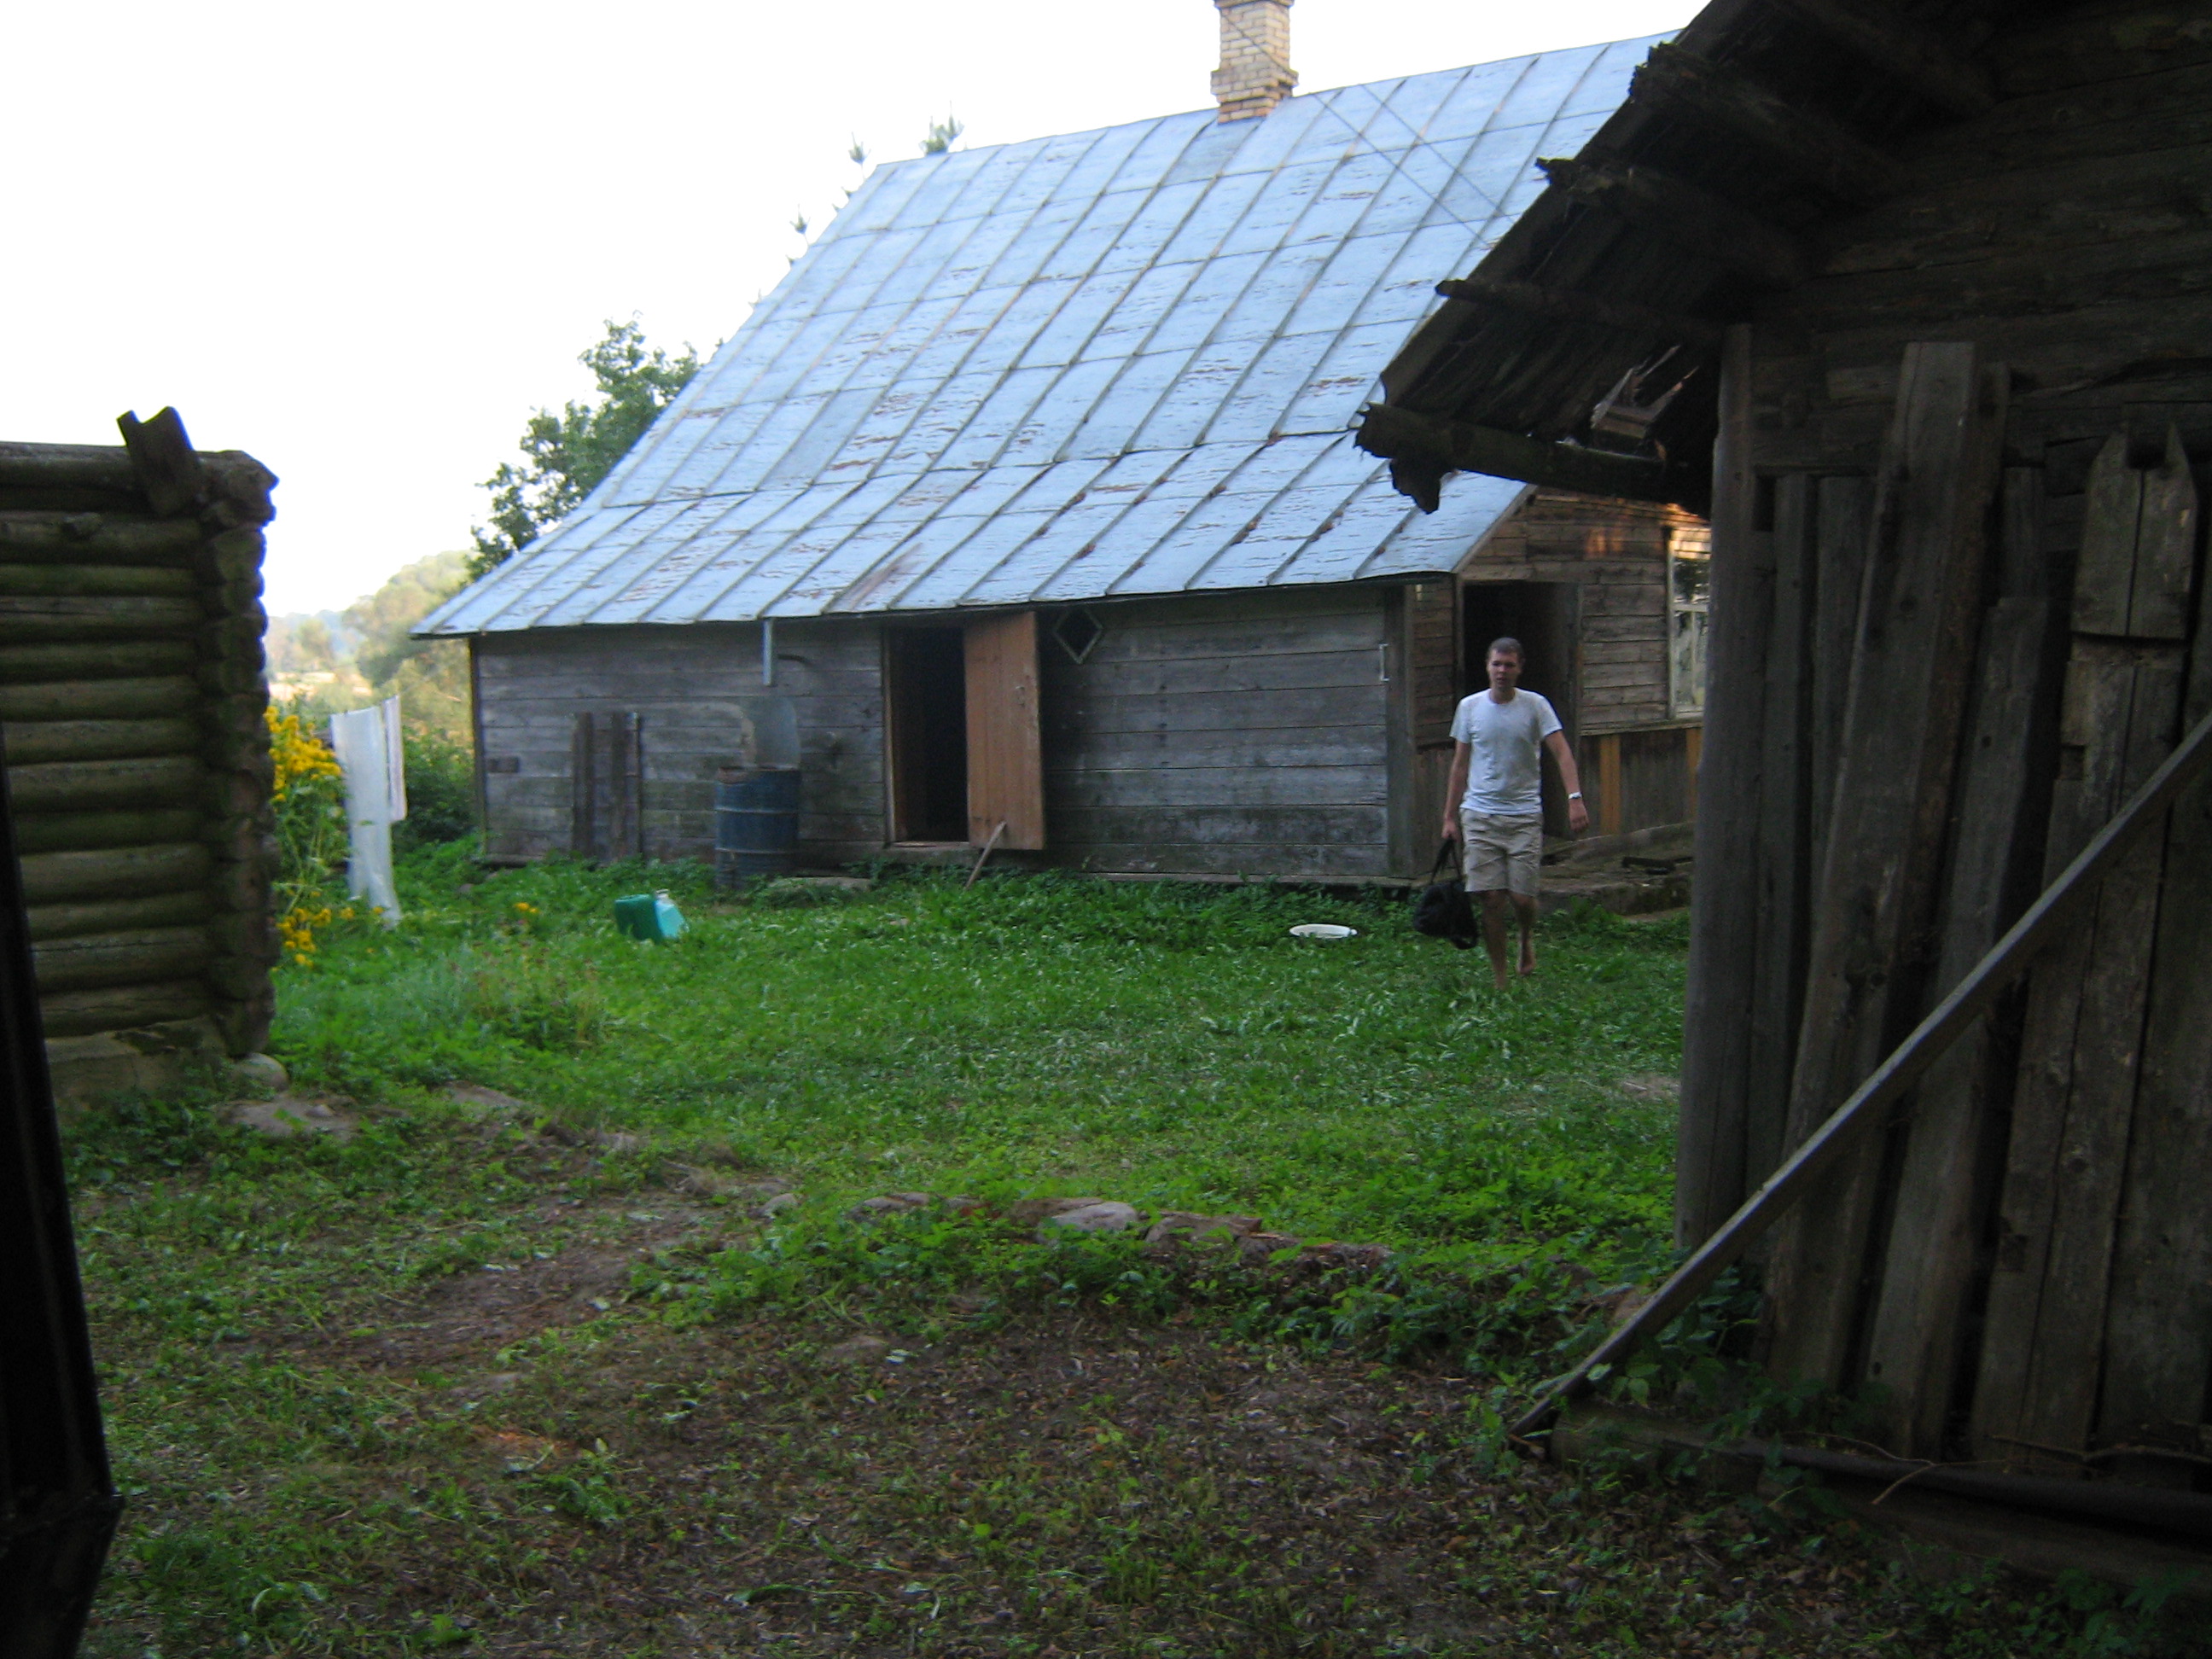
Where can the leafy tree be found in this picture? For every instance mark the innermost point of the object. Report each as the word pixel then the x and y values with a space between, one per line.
pixel 566 455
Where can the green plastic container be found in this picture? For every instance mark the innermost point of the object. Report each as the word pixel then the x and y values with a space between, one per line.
pixel 649 916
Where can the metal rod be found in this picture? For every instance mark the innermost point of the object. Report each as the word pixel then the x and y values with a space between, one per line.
pixel 2008 958
pixel 767 651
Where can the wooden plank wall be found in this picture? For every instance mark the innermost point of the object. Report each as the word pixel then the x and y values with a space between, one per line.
pixel 1245 734
pixel 2045 1205
pixel 691 688
pixel 1616 552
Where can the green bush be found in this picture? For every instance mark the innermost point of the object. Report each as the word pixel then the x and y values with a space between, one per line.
pixel 441 790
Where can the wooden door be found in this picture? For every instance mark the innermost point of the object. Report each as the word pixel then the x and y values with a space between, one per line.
pixel 1006 754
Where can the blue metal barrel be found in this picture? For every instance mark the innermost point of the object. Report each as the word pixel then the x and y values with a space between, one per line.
pixel 756 823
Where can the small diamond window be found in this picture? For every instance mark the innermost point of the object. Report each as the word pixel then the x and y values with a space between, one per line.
pixel 1076 632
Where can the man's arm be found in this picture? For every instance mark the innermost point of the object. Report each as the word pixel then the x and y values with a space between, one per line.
pixel 1456 791
pixel 1577 814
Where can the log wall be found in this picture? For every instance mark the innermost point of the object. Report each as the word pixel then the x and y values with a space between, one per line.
pixel 2021 1267
pixel 132 704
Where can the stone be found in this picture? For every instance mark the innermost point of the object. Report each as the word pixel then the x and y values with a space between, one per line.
pixel 855 1351
pixel 1106 1218
pixel 1256 1248
pixel 875 1209
pixel 1027 1211
pixel 1177 1227
pixel 287 1117
pixel 475 1098
pixel 960 1204
pixel 1364 1257
pixel 262 1073
pixel 780 1203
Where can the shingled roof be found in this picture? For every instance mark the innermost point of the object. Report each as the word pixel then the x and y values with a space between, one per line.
pixel 1108 363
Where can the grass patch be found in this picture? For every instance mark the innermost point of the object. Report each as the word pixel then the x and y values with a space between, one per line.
pixel 413 1394
pixel 1167 1045
pixel 482 1382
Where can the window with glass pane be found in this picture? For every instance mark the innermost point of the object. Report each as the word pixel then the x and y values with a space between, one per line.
pixel 1689 571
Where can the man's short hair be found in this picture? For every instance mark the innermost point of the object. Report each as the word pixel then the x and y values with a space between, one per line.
pixel 1510 646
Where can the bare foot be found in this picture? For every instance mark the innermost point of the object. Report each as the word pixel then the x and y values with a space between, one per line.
pixel 1499 981
pixel 1528 958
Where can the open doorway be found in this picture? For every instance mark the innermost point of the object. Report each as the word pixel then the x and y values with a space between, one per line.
pixel 1546 618
pixel 925 687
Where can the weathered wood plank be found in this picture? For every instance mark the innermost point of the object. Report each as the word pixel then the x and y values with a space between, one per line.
pixel 1782 880
pixel 1910 673
pixel 1179 787
pixel 2073 1103
pixel 2165 548
pixel 120 1008
pixel 1846 508
pixel 2158 1333
pixel 2104 568
pixel 1952 1141
pixel 51 921
pixel 1219 826
pixel 121 958
pixel 1710 1172
pixel 86 786
pixel 61 832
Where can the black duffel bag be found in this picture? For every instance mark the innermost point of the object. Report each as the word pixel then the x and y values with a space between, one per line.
pixel 1442 910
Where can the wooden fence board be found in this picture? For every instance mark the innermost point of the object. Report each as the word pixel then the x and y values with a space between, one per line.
pixel 2158 1332
pixel 1914 1348
pixel 1846 518
pixel 1910 675
pixel 2035 1403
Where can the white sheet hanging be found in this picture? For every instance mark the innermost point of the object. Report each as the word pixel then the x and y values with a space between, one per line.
pixel 371 755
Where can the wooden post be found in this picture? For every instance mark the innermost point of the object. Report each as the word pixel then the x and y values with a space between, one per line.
pixel 1710 1175
pixel 1910 675
pixel 1784 879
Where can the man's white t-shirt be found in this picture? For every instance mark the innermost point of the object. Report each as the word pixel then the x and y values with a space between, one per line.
pixel 1505 768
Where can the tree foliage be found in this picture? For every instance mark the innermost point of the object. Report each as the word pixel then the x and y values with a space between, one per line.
pixel 566 454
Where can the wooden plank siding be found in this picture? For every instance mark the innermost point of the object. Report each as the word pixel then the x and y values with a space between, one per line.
pixel 690 687
pixel 2023 1270
pixel 1240 734
pixel 1616 551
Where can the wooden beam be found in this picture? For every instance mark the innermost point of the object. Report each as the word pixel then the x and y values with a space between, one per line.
pixel 1461 447
pixel 1869 1107
pixel 1904 49
pixel 1692 218
pixel 162 459
pixel 1822 152
pixel 1567 306
pixel 1711 1135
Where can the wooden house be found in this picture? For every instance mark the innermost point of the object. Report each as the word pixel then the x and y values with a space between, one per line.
pixel 138 756
pixel 1029 499
pixel 1915 298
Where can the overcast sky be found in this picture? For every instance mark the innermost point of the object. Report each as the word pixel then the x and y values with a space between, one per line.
pixel 362 242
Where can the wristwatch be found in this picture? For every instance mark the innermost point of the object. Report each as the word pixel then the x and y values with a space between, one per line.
pixel 1574 794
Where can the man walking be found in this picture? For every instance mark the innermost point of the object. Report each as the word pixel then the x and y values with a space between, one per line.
pixel 1496 799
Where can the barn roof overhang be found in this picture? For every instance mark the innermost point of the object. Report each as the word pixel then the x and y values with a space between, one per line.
pixel 1583 351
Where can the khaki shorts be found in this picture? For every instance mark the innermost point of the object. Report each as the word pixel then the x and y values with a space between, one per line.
pixel 1500 853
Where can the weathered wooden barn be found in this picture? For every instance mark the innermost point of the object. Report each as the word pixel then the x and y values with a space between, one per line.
pixel 1028 498
pixel 1916 297
pixel 138 756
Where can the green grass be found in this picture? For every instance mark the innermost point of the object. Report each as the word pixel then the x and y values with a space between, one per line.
pixel 482 1383
pixel 1170 1045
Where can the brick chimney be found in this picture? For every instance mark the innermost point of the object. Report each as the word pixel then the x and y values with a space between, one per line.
pixel 1255 73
